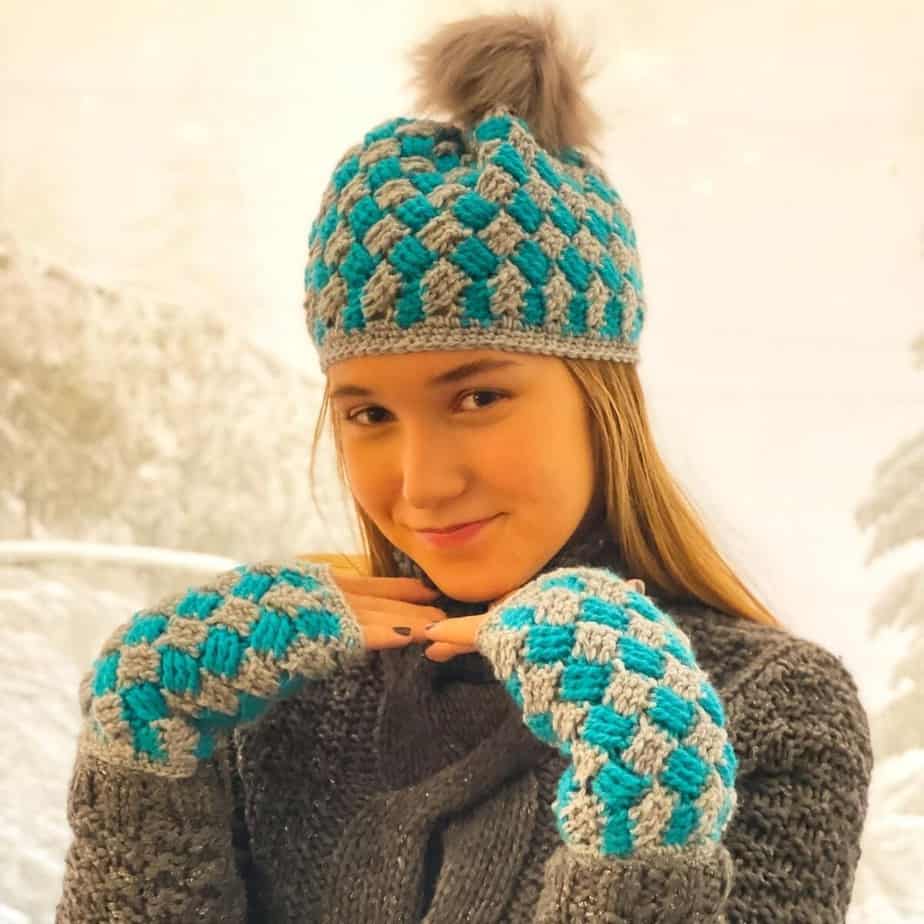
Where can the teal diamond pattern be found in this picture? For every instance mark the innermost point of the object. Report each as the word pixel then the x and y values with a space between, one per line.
pixel 182 665
pixel 547 637
pixel 396 182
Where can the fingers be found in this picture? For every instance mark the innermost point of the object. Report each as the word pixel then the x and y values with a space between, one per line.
pixel 392 588
pixel 389 621
pixel 375 638
pixel 443 651
pixel 457 631
pixel 398 607
pixel 390 613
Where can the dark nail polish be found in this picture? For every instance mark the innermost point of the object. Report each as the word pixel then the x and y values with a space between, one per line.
pixel 401 630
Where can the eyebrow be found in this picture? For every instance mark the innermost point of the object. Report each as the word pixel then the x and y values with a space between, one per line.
pixel 456 374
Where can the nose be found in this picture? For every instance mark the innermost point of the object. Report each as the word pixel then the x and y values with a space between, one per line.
pixel 433 467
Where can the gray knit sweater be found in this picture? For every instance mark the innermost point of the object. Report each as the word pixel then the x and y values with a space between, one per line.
pixel 390 788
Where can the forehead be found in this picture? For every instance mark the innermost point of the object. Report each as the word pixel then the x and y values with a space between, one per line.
pixel 418 367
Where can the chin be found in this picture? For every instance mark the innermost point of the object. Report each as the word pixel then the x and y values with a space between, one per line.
pixel 466 590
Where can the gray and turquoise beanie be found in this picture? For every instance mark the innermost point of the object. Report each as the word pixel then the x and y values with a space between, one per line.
pixel 431 237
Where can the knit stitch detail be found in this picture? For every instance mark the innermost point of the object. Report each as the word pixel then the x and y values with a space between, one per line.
pixel 664 887
pixel 206 660
pixel 609 679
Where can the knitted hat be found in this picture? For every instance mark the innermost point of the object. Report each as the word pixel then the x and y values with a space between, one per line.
pixel 493 230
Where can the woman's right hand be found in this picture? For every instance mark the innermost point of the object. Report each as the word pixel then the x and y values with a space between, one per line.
pixel 173 678
pixel 380 604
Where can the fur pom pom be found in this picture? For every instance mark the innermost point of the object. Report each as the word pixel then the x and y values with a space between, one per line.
pixel 521 61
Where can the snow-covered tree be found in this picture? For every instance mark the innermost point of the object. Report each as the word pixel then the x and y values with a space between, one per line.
pixel 128 420
pixel 888 887
pixel 894 511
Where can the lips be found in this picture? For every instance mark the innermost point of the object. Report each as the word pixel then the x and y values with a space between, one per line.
pixel 456 526
pixel 458 537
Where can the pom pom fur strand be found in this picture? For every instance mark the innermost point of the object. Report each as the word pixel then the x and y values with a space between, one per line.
pixel 468 66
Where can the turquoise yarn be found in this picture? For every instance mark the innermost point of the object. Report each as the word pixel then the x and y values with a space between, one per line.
pixel 645 719
pixel 431 237
pixel 153 677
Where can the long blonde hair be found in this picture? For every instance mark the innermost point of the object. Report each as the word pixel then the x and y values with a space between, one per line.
pixel 662 539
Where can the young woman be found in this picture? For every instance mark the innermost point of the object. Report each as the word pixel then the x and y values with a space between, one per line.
pixel 542 695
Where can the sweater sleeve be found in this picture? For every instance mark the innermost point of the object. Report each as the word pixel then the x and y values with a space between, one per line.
pixel 791 850
pixel 149 849
pixel 151 804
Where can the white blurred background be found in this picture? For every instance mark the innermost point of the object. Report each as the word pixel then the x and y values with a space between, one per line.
pixel 160 166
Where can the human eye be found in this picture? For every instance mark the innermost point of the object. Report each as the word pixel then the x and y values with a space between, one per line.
pixel 356 417
pixel 481 392
pixel 353 417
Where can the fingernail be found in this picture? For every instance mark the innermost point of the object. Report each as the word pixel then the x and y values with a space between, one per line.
pixel 429 627
pixel 401 630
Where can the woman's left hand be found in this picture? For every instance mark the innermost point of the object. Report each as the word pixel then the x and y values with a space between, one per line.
pixel 608 678
pixel 452 637
pixel 456 636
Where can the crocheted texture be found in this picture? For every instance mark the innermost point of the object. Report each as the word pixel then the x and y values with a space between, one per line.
pixel 609 679
pixel 429 237
pixel 211 658
pixel 417 761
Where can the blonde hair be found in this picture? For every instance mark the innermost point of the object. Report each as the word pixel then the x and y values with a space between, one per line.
pixel 662 539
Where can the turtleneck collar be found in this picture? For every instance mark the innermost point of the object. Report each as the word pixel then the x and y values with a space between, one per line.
pixel 458 704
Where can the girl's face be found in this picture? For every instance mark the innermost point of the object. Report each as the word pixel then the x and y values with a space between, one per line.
pixel 437 438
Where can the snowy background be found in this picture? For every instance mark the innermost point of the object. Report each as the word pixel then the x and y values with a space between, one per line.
pixel 160 166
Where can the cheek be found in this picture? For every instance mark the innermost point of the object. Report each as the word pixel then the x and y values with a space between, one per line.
pixel 533 457
pixel 546 458
pixel 499 464
pixel 367 480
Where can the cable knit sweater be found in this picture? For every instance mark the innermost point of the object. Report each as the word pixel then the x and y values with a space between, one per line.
pixel 389 788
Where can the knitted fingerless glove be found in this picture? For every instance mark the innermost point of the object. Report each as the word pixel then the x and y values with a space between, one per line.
pixel 610 680
pixel 203 661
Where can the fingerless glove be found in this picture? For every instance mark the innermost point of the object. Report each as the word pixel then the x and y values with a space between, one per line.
pixel 205 660
pixel 611 681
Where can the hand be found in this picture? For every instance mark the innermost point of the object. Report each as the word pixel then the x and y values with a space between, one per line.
pixel 453 637
pixel 381 603
pixel 200 662
pixel 456 636
pixel 611 681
